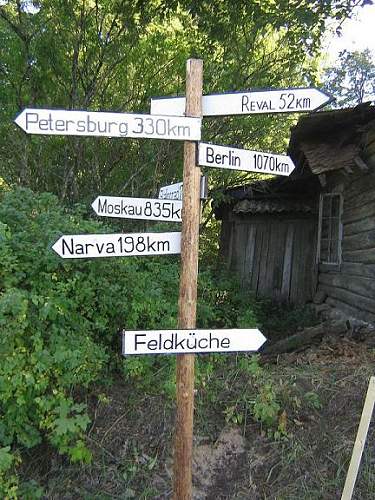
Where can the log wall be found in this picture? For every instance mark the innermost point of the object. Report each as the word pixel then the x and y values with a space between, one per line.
pixel 273 255
pixel 351 286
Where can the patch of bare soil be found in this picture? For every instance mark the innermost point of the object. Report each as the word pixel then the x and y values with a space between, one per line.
pixel 322 391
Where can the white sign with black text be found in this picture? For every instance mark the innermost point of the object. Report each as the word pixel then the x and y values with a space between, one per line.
pixel 138 208
pixel 211 155
pixel 81 246
pixel 171 192
pixel 104 124
pixel 174 191
pixel 247 102
pixel 191 341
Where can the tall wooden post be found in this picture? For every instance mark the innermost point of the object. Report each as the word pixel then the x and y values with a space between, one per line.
pixel 182 480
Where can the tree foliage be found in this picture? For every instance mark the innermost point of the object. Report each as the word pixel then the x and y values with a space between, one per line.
pixel 116 54
pixel 352 78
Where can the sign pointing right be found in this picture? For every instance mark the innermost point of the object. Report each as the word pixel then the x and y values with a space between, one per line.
pixel 211 155
pixel 248 102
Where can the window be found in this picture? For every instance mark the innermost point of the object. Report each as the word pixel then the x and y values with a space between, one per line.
pixel 330 229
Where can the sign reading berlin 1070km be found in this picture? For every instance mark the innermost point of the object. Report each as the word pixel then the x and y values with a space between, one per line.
pixel 97 123
pixel 247 102
pixel 211 155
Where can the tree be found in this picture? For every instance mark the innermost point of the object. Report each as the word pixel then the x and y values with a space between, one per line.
pixel 352 79
pixel 114 55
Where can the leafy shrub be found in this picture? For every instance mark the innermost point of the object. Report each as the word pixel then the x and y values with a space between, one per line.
pixel 59 321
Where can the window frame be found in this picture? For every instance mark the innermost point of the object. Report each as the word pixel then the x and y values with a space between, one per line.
pixel 338 260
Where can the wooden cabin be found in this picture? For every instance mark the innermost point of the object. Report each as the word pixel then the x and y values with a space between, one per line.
pixel 312 234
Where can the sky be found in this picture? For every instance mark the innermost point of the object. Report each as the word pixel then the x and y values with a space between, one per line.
pixel 357 34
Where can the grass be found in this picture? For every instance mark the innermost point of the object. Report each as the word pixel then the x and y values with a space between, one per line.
pixel 299 418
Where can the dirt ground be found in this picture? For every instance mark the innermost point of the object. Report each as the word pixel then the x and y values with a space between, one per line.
pixel 322 391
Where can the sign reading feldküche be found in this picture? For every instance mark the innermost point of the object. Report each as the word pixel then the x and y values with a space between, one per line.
pixel 138 208
pixel 103 124
pixel 80 246
pixel 190 341
pixel 245 103
pixel 241 159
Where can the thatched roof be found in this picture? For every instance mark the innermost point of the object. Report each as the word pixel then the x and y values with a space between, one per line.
pixel 332 140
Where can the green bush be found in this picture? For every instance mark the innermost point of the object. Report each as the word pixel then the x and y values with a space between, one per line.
pixel 59 319
pixel 60 322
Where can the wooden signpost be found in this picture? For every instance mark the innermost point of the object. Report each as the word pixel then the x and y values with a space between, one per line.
pixel 187 303
pixel 177 119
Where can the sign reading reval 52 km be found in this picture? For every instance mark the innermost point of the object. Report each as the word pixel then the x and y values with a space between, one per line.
pixel 211 155
pixel 97 123
pixel 81 246
pixel 190 341
pixel 138 208
pixel 246 102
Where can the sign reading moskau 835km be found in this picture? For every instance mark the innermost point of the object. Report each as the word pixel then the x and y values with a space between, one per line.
pixel 138 208
pixel 190 341
pixel 81 246
pixel 211 155
pixel 97 123
pixel 247 102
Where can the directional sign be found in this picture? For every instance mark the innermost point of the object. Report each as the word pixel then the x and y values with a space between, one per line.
pixel 97 123
pixel 81 246
pixel 211 155
pixel 248 103
pixel 138 208
pixel 174 191
pixel 171 192
pixel 190 341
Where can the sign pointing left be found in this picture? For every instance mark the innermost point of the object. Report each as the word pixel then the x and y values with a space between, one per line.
pixel 81 246
pixel 103 124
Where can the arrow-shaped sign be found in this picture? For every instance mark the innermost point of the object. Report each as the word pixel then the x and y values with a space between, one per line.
pixel 191 341
pixel 80 246
pixel 247 103
pixel 211 155
pixel 138 208
pixel 103 124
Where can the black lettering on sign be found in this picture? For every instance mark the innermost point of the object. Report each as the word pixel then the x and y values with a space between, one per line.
pixel 245 103
pixel 210 155
pixel 31 118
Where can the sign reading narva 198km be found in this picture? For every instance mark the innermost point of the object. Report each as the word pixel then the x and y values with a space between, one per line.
pixel 103 124
pixel 190 341
pixel 81 246
pixel 138 208
pixel 211 155
pixel 245 103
